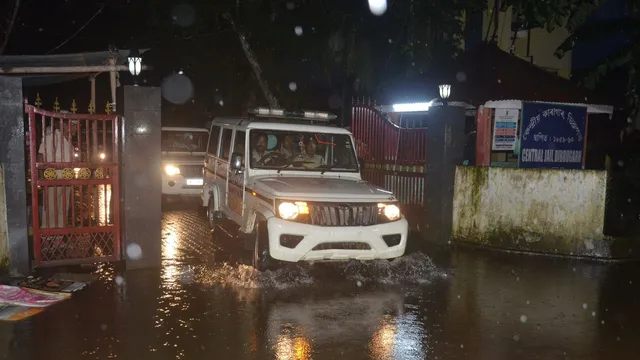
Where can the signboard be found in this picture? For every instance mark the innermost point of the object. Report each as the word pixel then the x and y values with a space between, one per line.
pixel 505 130
pixel 553 136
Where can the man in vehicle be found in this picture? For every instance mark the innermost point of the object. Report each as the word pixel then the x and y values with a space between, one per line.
pixel 259 151
pixel 56 147
pixel 310 159
pixel 287 147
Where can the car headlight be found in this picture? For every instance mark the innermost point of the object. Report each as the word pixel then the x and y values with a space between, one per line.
pixel 171 170
pixel 290 210
pixel 390 211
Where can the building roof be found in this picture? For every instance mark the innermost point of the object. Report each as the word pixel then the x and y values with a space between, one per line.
pixel 78 59
pixel 492 74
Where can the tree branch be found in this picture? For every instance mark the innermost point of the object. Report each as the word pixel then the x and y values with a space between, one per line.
pixel 7 34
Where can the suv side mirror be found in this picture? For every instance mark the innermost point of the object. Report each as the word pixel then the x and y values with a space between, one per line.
pixel 236 161
pixel 361 163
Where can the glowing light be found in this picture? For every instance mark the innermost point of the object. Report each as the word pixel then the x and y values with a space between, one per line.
pixel 378 7
pixel 102 156
pixel 445 91
pixel 422 106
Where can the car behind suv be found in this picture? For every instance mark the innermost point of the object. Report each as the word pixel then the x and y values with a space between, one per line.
pixel 183 151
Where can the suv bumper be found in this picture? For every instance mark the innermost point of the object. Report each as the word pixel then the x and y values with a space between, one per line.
pixel 312 236
pixel 177 185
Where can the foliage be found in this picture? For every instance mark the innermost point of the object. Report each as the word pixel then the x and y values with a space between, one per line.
pixel 627 56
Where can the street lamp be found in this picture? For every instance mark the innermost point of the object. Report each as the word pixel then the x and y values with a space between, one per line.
pixel 445 91
pixel 135 63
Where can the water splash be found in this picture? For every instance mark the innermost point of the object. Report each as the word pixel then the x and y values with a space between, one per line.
pixel 416 268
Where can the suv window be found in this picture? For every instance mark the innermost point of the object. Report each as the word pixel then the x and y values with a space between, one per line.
pixel 297 150
pixel 226 144
pixel 184 141
pixel 214 139
pixel 239 144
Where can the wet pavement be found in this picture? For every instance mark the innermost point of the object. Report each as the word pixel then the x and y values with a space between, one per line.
pixel 432 304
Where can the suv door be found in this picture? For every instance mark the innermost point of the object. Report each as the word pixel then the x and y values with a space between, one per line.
pixel 222 168
pixel 209 170
pixel 236 179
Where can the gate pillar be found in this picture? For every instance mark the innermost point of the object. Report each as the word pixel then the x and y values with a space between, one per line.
pixel 142 177
pixel 14 243
pixel 445 150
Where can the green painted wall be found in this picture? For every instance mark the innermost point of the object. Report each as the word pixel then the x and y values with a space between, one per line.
pixel 541 210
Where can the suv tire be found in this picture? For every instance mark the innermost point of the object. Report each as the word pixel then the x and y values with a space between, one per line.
pixel 261 257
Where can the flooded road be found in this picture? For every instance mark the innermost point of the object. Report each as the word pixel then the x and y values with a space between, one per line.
pixel 432 304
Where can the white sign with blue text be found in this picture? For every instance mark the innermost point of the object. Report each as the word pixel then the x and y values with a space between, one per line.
pixel 505 129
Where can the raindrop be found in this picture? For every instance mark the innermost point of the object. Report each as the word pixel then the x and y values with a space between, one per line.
pixel 499 81
pixel 458 296
pixel 291 5
pixel 183 15
pixel 585 306
pixel 40 29
pixel 528 302
pixel 629 120
pixel 134 252
pixel 461 346
pixel 119 280
pixel 516 337
pixel 103 327
pixel 221 103
pixel 461 76
pixel 620 163
pixel 390 41
pixel 293 86
pixel 298 30
pixel 523 318
pixel 593 313
pixel 177 89
pixel 378 7
pixel 359 283
pixel 602 322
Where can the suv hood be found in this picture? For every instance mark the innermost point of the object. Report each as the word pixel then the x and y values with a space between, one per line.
pixel 183 158
pixel 320 188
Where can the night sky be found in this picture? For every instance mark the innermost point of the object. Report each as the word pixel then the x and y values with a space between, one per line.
pixel 290 41
pixel 298 43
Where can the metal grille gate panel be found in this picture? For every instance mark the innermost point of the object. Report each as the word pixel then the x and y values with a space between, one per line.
pixel 73 165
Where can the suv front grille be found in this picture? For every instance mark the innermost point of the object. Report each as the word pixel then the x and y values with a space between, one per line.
pixel 191 171
pixel 328 214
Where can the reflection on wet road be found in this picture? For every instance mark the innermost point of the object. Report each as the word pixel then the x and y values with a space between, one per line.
pixel 461 305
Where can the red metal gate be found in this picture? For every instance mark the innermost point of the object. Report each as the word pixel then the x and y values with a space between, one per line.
pixel 73 162
pixel 395 156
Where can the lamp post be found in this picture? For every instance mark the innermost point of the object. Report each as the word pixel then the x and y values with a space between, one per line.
pixel 445 91
pixel 135 64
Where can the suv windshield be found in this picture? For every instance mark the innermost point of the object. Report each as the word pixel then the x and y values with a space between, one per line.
pixel 173 140
pixel 309 151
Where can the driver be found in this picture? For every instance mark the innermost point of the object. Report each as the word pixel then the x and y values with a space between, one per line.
pixel 259 147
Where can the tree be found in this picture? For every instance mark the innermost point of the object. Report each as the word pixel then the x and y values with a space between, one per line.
pixel 628 56
pixel 10 25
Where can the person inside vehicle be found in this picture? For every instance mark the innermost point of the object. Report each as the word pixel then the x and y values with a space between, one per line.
pixel 310 158
pixel 287 148
pixel 259 151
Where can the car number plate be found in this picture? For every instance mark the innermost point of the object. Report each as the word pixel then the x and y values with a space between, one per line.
pixel 194 181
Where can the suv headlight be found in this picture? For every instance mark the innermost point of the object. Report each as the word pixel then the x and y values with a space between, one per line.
pixel 390 211
pixel 290 210
pixel 171 170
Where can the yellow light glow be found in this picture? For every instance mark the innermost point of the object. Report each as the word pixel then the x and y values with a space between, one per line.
pixel 303 208
pixel 171 170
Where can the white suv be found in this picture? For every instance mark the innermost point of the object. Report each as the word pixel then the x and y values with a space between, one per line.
pixel 292 185
pixel 183 151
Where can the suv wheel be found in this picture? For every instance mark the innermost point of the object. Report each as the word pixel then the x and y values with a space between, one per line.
pixel 211 214
pixel 261 256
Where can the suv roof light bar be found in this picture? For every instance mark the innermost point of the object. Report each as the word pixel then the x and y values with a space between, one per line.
pixel 281 113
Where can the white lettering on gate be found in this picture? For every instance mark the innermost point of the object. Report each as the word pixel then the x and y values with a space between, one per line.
pixel 551 156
